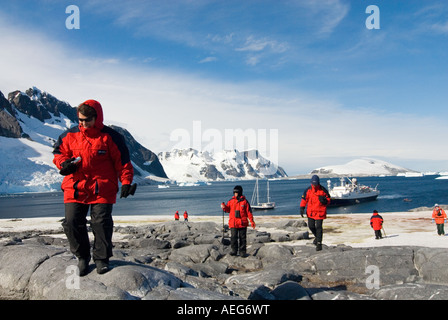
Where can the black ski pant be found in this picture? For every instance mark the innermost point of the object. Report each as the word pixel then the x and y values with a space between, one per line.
pixel 316 228
pixel 238 240
pixel 378 234
pixel 441 229
pixel 75 228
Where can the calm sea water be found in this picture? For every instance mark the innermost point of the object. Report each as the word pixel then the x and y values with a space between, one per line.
pixel 206 199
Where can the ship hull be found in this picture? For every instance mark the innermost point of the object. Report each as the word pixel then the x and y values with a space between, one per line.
pixel 339 202
pixel 264 206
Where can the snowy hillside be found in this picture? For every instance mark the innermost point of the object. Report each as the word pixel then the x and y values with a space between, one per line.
pixel 26 163
pixel 191 165
pixel 30 123
pixel 26 166
pixel 363 167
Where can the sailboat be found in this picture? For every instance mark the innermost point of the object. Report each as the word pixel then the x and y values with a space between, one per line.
pixel 255 202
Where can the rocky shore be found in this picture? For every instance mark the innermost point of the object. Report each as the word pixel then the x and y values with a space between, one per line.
pixel 176 260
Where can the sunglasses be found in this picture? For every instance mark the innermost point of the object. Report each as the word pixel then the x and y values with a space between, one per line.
pixel 85 119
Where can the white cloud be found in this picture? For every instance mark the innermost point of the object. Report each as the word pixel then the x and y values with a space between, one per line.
pixel 208 59
pixel 221 39
pixel 325 14
pixel 441 27
pixel 152 103
pixel 253 44
pixel 253 60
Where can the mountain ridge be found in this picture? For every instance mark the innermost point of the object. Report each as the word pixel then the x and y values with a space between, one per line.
pixel 363 167
pixel 218 166
pixel 31 122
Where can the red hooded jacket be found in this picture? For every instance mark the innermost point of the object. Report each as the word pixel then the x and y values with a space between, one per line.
pixel 439 215
pixel 104 161
pixel 315 209
pixel 376 221
pixel 240 212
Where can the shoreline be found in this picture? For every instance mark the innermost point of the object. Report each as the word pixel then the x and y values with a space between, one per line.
pixel 402 228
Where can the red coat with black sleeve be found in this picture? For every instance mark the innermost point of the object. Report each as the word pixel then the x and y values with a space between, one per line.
pixel 315 199
pixel 240 213
pixel 439 215
pixel 105 160
pixel 376 221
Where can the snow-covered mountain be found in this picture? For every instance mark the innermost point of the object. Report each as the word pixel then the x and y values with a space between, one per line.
pixel 190 165
pixel 363 167
pixel 30 123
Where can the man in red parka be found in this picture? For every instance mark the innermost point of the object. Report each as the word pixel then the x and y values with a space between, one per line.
pixel 376 222
pixel 93 158
pixel 240 213
pixel 316 199
pixel 439 217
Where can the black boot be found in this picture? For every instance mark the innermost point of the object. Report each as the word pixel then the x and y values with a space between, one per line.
pixel 102 266
pixel 83 266
pixel 318 246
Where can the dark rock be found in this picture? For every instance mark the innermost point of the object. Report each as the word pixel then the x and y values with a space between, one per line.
pixel 170 261
pixel 431 264
pixel 17 264
pixel 180 270
pixel 261 293
pixel 193 254
pixel 335 293
pixel 396 265
pixel 290 290
pixel 151 243
pixel 198 294
pixel 412 291
pixel 269 278
pixel 274 253
pixel 211 268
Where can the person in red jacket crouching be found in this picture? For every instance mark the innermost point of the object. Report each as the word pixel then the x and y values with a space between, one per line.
pixel 240 213
pixel 316 199
pixel 92 158
pixel 376 222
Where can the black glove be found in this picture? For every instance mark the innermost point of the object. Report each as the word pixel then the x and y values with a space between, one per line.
pixel 133 188
pixel 68 167
pixel 127 189
pixel 323 200
pixel 302 211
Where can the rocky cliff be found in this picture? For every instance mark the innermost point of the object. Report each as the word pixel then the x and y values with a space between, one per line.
pixel 191 261
pixel 32 121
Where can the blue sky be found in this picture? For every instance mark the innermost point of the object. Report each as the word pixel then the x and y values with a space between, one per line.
pixel 333 89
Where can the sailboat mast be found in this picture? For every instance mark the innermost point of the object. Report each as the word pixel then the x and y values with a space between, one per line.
pixel 269 200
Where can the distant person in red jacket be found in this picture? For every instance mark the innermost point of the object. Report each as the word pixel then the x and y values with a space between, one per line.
pixel 316 199
pixel 185 216
pixel 439 217
pixel 240 213
pixel 376 222
pixel 176 215
pixel 93 158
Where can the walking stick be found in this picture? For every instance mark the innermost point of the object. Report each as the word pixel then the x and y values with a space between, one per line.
pixel 382 228
pixel 222 240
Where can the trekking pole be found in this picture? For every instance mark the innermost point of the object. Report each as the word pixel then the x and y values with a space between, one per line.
pixel 222 241
pixel 382 228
